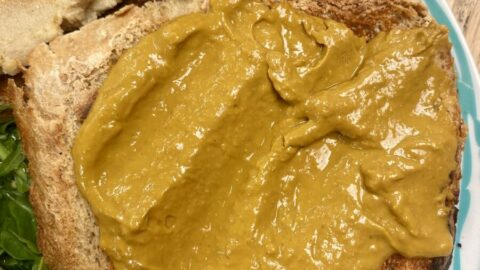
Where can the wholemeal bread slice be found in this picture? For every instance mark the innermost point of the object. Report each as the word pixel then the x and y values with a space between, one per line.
pixel 61 85
pixel 67 74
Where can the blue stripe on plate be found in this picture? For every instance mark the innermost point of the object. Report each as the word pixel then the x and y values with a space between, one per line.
pixel 469 111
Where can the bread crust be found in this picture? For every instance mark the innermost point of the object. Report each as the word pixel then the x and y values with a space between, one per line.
pixel 61 85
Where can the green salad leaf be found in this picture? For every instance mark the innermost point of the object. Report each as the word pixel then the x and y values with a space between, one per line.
pixel 18 247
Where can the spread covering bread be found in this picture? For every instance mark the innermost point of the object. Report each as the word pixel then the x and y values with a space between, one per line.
pixel 263 138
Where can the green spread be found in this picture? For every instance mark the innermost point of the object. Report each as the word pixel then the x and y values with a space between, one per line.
pixel 252 137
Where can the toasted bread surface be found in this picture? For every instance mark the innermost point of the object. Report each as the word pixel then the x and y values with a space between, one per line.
pixel 61 85
pixel 67 74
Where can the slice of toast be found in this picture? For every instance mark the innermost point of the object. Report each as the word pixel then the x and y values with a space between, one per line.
pixel 67 74
pixel 61 85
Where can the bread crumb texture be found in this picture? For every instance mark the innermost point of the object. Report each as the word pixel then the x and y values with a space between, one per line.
pixel 27 23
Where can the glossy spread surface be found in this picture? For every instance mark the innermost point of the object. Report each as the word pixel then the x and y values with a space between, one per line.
pixel 258 138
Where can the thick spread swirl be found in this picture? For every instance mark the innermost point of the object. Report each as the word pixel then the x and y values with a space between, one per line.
pixel 263 138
